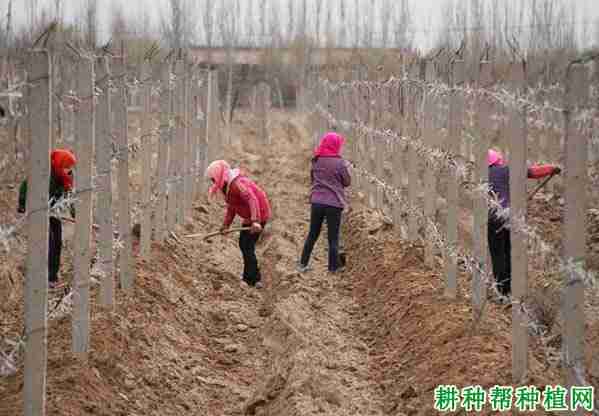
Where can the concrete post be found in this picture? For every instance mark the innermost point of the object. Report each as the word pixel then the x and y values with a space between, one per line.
pixel 85 125
pixel 456 116
pixel 104 183
pixel 179 145
pixel 173 156
pixel 212 125
pixel 39 102
pixel 519 239
pixel 163 152
pixel 190 143
pixel 430 178
pixel 202 130
pixel 485 110
pixel 121 133
pixel 147 147
pixel 575 229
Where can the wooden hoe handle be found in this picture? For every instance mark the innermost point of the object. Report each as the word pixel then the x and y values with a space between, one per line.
pixel 205 236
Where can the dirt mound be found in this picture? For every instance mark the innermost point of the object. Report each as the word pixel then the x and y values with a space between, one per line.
pixel 184 340
pixel 191 336
pixel 376 339
pixel 417 338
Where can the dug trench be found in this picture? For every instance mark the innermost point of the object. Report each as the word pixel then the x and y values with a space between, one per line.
pixel 191 339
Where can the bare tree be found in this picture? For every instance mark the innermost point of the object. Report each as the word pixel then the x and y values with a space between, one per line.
pixel 357 23
pixel 275 23
pixel 208 22
pixel 58 11
pixel 388 12
pixel 7 36
pixel 496 39
pixel 342 24
pixel 329 25
pixel 291 27
pixel 177 25
pixel 402 22
pixel 90 13
pixel 461 21
pixel 32 7
pixel 519 18
pixel 228 17
pixel 585 35
pixel 454 24
pixel 552 25
pixel 506 20
pixel 145 24
pixel 477 35
pixel 303 17
pixel 317 21
pixel 250 32
pixel 118 23
pixel 369 34
pixel 263 22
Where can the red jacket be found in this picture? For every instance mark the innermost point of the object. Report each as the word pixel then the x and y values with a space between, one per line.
pixel 540 171
pixel 248 200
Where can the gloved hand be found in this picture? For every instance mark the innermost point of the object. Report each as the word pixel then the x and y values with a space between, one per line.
pixel 255 228
pixel 557 170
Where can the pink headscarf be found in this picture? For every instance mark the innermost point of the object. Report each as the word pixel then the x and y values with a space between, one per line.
pixel 330 145
pixel 218 171
pixel 494 158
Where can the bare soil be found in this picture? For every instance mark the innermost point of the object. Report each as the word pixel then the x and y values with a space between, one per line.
pixel 192 339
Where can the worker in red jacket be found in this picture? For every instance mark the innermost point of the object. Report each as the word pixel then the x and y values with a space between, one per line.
pixel 246 199
pixel 498 228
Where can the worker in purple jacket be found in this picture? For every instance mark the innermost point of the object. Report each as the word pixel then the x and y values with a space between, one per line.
pixel 498 231
pixel 330 176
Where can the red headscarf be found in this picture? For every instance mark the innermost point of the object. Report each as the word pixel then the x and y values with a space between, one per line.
pixel 63 160
pixel 330 145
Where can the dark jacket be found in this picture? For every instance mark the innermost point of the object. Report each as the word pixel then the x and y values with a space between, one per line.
pixel 56 192
pixel 330 176
pixel 499 181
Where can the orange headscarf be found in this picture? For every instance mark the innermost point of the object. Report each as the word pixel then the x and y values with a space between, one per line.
pixel 63 160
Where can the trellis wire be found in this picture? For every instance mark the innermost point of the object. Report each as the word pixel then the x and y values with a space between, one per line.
pixel 122 147
pixel 521 102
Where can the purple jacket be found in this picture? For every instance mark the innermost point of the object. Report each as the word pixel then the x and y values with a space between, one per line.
pixel 499 180
pixel 499 183
pixel 330 176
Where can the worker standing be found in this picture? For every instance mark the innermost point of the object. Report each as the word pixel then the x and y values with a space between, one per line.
pixel 62 163
pixel 329 176
pixel 498 226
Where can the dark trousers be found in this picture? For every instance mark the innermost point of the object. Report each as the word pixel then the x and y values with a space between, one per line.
pixel 500 247
pixel 318 214
pixel 54 248
pixel 247 244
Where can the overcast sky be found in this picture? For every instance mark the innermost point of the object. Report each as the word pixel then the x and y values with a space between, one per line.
pixel 425 23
